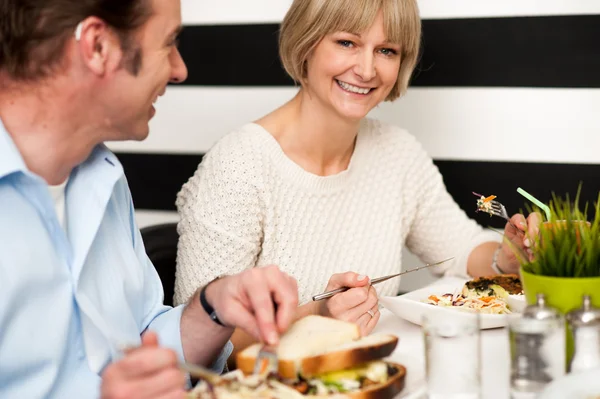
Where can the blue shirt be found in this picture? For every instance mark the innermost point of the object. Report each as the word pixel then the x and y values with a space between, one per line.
pixel 71 298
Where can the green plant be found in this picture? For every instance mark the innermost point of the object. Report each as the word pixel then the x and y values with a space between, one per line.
pixel 568 245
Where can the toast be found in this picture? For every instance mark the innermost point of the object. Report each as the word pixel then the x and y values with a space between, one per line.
pixel 312 362
pixel 318 357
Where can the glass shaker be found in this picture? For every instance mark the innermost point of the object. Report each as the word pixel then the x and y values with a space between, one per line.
pixel 537 346
pixel 585 326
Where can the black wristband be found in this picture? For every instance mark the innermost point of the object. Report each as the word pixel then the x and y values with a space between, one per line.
pixel 207 308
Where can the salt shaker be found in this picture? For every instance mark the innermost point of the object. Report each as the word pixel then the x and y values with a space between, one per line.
pixel 585 326
pixel 537 341
pixel 541 311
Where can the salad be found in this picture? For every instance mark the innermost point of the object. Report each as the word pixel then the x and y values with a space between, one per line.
pixel 486 295
pixel 484 204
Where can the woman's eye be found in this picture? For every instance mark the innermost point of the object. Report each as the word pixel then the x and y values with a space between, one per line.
pixel 388 51
pixel 345 43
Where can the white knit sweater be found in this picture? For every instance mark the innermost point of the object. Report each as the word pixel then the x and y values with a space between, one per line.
pixel 249 205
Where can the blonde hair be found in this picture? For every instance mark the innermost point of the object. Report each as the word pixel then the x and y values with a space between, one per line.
pixel 307 22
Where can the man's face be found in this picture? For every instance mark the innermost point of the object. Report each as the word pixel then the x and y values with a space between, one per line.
pixel 155 58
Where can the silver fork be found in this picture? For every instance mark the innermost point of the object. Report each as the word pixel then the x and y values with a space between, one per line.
pixel 193 370
pixel 268 354
pixel 497 209
pixel 200 372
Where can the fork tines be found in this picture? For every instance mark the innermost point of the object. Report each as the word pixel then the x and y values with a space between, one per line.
pixel 266 360
pixel 499 209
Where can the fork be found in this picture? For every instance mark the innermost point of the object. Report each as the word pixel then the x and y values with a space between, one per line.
pixel 193 370
pixel 200 372
pixel 268 355
pixel 497 209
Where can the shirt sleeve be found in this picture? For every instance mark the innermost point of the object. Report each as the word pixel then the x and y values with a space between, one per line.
pixel 164 320
pixel 221 216
pixel 439 228
pixel 166 325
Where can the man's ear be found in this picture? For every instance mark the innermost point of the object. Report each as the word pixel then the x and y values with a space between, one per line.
pixel 99 46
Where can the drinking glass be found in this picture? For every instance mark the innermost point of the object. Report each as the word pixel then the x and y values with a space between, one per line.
pixel 452 354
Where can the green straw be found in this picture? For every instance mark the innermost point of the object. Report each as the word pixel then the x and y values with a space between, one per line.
pixel 535 201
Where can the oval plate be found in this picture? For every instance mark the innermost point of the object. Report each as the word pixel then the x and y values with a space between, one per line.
pixel 411 307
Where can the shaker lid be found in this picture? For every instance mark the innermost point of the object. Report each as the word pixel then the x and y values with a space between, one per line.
pixel 540 310
pixel 586 315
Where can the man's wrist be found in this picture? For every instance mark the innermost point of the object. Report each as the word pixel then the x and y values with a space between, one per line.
pixel 206 300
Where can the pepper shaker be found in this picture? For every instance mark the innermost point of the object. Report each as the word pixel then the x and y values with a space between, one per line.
pixel 585 326
pixel 537 343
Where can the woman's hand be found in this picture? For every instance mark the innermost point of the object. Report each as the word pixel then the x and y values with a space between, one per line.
pixel 521 241
pixel 357 305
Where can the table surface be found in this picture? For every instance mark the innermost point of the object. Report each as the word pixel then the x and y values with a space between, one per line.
pixel 410 352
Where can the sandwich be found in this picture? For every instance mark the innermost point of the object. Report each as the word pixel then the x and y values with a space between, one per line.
pixel 318 357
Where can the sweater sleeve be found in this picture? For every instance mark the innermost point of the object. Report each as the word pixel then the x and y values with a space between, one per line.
pixel 439 229
pixel 220 231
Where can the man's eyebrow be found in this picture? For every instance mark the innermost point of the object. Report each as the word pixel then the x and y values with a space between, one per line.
pixel 175 33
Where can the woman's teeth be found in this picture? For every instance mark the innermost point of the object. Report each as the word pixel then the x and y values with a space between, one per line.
pixel 353 89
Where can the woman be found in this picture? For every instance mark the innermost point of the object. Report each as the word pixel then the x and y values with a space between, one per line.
pixel 319 189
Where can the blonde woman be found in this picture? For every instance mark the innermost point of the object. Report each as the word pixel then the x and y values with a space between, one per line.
pixel 320 190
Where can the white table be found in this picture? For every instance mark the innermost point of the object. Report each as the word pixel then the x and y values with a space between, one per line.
pixel 410 352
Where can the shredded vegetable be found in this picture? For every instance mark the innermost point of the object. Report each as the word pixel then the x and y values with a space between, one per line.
pixel 469 300
pixel 484 204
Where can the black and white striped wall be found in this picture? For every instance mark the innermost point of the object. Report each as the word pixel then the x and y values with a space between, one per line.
pixel 507 95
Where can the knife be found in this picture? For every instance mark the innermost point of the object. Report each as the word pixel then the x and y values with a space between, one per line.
pixel 377 280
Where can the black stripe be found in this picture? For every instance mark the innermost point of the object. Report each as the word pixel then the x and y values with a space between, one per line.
pixel 552 51
pixel 155 180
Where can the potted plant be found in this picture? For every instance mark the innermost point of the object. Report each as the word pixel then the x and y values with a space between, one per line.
pixel 566 258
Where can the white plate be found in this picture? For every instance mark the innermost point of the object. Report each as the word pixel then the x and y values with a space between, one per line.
pixel 411 306
pixel 516 303
pixel 583 385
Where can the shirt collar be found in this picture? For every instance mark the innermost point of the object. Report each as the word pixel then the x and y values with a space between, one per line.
pixel 100 157
pixel 11 160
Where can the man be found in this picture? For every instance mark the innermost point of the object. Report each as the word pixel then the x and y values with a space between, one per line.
pixel 81 306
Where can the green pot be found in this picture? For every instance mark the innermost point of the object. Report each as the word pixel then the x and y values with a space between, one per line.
pixel 562 293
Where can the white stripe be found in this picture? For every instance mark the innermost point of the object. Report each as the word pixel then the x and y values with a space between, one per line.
pixel 146 218
pixel 218 12
pixel 440 9
pixel 211 12
pixel 496 124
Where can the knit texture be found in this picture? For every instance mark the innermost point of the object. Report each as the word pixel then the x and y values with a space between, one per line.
pixel 249 205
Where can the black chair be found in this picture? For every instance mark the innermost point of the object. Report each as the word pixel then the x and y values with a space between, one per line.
pixel 160 242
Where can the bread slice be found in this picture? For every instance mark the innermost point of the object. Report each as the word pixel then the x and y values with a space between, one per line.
pixel 317 344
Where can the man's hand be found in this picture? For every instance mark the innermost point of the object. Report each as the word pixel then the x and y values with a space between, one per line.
pixel 262 301
pixel 358 305
pixel 147 372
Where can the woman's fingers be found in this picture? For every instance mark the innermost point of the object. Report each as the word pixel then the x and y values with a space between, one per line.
pixel 348 279
pixel 368 320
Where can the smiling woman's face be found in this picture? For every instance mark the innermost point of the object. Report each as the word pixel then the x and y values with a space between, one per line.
pixel 351 73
